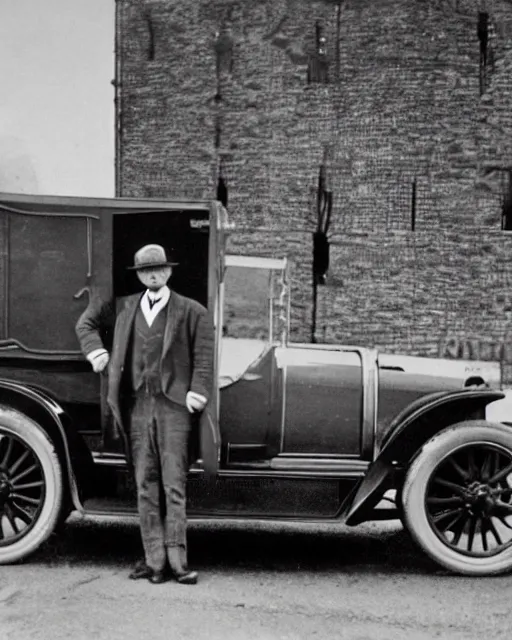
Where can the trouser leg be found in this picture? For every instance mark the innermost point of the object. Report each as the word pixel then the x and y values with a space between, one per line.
pixel 173 437
pixel 147 479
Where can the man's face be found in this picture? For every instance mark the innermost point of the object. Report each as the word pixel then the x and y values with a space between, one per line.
pixel 154 279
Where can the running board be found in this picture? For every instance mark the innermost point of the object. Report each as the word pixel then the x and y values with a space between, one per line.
pixel 280 464
pixel 343 467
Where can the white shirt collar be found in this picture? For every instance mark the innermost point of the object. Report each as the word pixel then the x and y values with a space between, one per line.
pixel 162 295
pixel 163 292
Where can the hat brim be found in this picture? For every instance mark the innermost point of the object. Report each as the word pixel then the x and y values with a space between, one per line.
pixel 152 265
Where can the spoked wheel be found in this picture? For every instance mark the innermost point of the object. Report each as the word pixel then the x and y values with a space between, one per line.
pixel 472 510
pixel 30 486
pixel 458 498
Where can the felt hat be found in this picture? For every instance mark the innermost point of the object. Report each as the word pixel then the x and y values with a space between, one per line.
pixel 151 256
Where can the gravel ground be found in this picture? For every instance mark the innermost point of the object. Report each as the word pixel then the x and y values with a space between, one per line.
pixel 257 581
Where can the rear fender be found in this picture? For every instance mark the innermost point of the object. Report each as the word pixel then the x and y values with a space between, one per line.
pixel 52 419
pixel 407 434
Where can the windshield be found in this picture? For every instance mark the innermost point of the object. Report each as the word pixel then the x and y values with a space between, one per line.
pixel 255 299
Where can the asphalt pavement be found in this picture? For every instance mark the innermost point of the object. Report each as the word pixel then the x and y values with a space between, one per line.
pixel 257 581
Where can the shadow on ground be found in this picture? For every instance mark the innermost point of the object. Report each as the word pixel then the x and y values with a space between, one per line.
pixel 236 547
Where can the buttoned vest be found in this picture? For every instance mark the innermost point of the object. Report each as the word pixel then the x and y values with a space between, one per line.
pixel 147 345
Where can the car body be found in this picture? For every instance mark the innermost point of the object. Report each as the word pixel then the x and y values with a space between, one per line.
pixel 305 432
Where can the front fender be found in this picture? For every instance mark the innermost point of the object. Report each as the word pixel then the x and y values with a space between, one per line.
pixel 48 414
pixel 408 432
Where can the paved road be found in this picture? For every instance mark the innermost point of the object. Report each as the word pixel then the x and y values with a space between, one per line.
pixel 259 581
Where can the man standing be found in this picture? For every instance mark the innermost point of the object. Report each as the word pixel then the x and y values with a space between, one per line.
pixel 160 372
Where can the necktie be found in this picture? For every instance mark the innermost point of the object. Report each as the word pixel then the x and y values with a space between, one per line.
pixel 153 302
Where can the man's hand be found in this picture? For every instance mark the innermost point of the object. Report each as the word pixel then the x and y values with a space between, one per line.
pixel 100 363
pixel 99 360
pixel 195 401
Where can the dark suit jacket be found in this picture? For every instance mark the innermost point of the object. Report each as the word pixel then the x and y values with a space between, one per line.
pixel 186 362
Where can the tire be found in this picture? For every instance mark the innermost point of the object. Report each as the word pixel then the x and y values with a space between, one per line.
pixel 31 486
pixel 399 503
pixel 451 508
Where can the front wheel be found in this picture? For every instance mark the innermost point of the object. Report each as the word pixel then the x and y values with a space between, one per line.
pixel 457 498
pixel 31 486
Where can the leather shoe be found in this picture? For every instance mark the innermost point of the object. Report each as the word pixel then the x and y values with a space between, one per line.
pixel 187 577
pixel 141 571
pixel 158 577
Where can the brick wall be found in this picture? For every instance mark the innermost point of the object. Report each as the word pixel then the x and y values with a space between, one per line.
pixel 167 85
pixel 439 293
pixel 220 86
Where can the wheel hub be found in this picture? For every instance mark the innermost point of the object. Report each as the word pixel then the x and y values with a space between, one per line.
pixel 479 498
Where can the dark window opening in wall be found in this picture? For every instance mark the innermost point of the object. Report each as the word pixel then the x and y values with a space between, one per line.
pixel 413 205
pixel 224 44
pixel 323 222
pixel 483 37
pixel 318 67
pixel 218 133
pixel 320 238
pixel 151 36
pixel 506 206
pixel 222 191
pixel 320 256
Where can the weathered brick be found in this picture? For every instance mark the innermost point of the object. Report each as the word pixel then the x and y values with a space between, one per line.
pixel 403 104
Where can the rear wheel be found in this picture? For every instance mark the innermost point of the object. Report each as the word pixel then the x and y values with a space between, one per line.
pixel 457 498
pixel 31 486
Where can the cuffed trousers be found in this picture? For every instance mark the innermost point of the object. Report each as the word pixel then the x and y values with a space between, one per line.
pixel 159 433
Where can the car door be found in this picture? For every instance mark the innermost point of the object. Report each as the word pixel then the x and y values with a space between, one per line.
pixel 255 319
pixel 194 233
pixel 322 404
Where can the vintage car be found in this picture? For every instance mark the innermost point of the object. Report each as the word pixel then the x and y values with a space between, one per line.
pixel 309 432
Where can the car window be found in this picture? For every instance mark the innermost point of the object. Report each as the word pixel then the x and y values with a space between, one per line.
pixel 247 303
